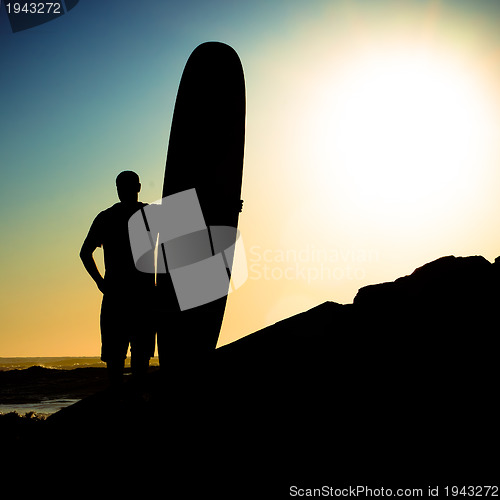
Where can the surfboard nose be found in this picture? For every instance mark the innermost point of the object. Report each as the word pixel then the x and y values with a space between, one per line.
pixel 214 48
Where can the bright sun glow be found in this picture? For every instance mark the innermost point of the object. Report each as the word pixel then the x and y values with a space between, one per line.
pixel 403 133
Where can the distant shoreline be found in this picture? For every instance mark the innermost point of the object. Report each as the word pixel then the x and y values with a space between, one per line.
pixel 58 362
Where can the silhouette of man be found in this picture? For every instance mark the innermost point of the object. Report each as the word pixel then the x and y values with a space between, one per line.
pixel 127 293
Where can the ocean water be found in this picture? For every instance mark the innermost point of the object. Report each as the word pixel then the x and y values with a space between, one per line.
pixel 43 408
pixel 44 385
pixel 62 363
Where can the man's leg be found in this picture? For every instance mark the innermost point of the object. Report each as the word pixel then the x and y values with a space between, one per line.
pixel 115 368
pixel 139 364
pixel 114 344
pixel 142 349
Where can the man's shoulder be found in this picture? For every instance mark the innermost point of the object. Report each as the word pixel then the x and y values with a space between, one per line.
pixel 106 213
pixel 118 210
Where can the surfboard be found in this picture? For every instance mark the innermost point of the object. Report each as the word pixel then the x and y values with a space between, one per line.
pixel 205 153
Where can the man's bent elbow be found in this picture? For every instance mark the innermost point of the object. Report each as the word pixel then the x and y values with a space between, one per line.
pixel 85 253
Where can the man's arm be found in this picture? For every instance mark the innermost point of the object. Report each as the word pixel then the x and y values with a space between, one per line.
pixel 86 254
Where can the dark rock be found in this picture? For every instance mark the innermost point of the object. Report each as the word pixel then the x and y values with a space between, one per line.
pixel 401 383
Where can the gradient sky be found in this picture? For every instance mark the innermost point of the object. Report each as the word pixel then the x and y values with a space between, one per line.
pixel 372 147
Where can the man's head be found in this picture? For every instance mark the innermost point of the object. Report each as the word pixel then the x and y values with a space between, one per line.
pixel 128 186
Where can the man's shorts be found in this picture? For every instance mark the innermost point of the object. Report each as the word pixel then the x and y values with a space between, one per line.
pixel 127 320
